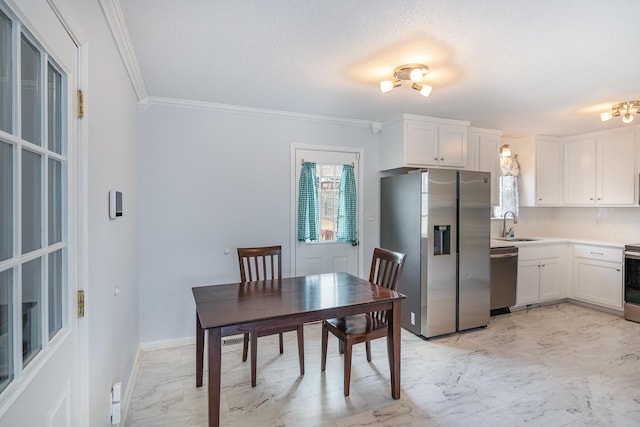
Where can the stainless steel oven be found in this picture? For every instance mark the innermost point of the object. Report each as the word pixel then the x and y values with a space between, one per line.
pixel 632 282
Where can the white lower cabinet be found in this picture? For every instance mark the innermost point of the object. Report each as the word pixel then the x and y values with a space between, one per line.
pixel 541 274
pixel 597 275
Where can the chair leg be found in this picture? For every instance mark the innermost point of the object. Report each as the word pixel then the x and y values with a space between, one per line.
pixel 325 339
pixel 301 348
pixel 347 368
pixel 368 348
pixel 281 343
pixel 254 358
pixel 245 348
pixel 390 354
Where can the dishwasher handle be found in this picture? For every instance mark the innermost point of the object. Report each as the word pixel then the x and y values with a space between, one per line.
pixel 511 255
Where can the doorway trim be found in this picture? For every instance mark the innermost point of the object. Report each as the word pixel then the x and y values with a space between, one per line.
pixel 72 24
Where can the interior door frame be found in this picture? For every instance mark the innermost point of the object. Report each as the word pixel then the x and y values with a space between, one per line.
pixel 294 186
pixel 72 24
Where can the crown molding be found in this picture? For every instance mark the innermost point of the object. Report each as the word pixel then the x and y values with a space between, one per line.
pixel 113 15
pixel 174 102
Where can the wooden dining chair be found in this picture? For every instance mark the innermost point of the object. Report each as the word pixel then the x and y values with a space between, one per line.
pixel 264 263
pixel 386 268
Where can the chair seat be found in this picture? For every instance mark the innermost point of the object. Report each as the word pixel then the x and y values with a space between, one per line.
pixel 360 324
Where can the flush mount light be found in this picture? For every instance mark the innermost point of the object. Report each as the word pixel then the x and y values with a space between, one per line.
pixel 618 109
pixel 413 73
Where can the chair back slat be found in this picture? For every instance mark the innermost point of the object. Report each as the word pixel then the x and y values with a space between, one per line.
pixel 386 269
pixel 262 263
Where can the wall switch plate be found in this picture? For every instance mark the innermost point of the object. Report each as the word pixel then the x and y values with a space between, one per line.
pixel 413 318
pixel 368 216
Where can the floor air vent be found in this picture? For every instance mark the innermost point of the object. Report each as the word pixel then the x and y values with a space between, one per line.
pixel 232 341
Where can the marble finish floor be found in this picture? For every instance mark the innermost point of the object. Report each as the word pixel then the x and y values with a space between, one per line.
pixel 558 365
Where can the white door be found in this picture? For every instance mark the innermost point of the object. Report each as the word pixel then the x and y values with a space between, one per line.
pixel 327 254
pixel 39 260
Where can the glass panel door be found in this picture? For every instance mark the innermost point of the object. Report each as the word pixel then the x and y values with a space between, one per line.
pixel 31 309
pixel 6 201
pixel 6 328
pixel 31 201
pixel 30 92
pixel 5 74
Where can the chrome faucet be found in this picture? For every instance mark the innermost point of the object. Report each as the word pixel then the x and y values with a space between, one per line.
pixel 504 222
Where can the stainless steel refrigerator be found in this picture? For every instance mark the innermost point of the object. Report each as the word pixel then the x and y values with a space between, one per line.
pixel 440 219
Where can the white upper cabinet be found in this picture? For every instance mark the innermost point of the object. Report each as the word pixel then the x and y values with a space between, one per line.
pixel 616 185
pixel 419 141
pixel 483 146
pixel 600 170
pixel 548 172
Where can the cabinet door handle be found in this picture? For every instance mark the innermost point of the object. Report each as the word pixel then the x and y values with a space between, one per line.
pixel 435 158
pixel 597 253
pixel 540 199
pixel 617 269
pixel 590 198
pixel 442 159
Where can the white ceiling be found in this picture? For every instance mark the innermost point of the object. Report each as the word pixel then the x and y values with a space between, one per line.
pixel 546 66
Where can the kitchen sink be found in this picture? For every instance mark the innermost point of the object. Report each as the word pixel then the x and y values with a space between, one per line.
pixel 516 239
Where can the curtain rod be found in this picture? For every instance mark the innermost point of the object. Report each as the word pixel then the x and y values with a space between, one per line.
pixel 302 163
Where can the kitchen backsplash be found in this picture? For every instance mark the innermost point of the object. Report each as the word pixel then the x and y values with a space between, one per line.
pixel 607 224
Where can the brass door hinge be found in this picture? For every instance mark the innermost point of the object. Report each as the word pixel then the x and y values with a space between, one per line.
pixel 80 104
pixel 80 304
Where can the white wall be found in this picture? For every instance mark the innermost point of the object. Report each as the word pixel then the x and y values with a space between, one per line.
pixel 112 117
pixel 211 180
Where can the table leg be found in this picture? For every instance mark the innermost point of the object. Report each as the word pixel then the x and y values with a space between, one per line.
pixel 393 342
pixel 215 361
pixel 199 351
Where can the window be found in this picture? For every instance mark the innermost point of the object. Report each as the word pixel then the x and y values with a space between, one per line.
pixel 328 177
pixel 327 201
pixel 33 199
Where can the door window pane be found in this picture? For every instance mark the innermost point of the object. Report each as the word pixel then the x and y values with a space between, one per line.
pixel 31 201
pixel 55 292
pixel 6 111
pixel 6 328
pixel 31 309
pixel 55 201
pixel 54 109
pixel 6 201
pixel 30 91
pixel 329 177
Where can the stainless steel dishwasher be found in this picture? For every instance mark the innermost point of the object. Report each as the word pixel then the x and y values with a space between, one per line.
pixel 504 278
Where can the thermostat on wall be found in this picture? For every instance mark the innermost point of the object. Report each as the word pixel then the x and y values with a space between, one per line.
pixel 115 204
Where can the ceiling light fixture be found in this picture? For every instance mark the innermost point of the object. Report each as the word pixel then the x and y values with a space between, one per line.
pixel 626 106
pixel 408 72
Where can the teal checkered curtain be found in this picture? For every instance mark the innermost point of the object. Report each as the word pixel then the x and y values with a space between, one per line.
pixel 308 206
pixel 347 231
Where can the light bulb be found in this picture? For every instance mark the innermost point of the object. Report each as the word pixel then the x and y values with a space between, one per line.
pixel 424 90
pixel 627 118
pixel 606 116
pixel 389 85
pixel 416 75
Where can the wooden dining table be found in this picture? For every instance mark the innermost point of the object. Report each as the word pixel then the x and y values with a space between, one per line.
pixel 238 308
